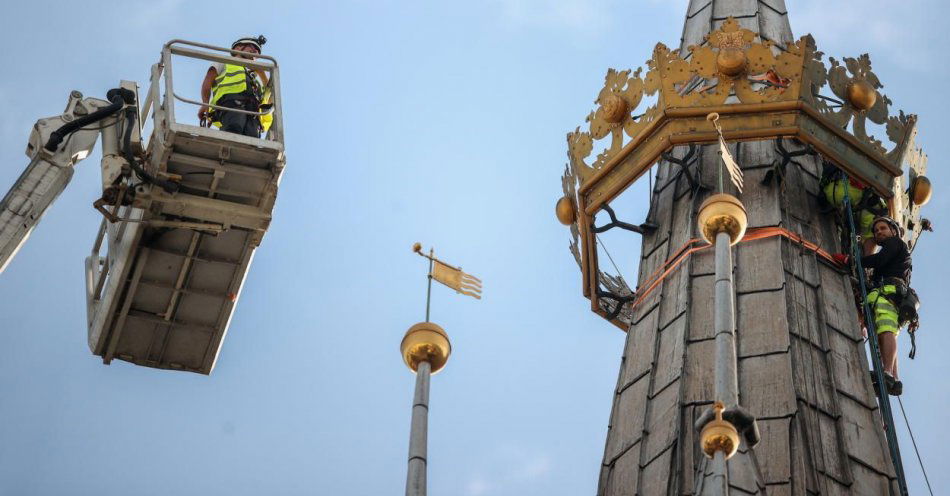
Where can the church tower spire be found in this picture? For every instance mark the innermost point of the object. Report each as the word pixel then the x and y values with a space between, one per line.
pixel 802 368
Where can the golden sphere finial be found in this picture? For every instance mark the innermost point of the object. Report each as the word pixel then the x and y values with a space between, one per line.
pixel 722 213
pixel 920 190
pixel 719 435
pixel 861 95
pixel 731 61
pixel 613 108
pixel 417 247
pixel 564 209
pixel 425 342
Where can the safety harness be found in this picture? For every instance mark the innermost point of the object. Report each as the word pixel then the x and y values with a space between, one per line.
pixel 239 81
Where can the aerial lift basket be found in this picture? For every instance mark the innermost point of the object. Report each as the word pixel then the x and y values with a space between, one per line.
pixel 163 292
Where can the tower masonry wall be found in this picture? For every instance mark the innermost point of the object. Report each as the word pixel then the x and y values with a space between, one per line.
pixel 802 368
pixel 802 365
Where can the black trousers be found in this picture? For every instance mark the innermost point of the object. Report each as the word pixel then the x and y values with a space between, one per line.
pixel 236 122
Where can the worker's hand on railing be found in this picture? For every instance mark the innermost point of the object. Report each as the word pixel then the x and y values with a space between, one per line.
pixel 203 116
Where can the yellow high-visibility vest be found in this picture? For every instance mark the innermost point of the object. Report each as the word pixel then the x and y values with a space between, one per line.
pixel 234 80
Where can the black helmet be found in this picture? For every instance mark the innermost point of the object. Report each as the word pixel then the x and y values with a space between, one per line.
pixel 249 40
pixel 891 222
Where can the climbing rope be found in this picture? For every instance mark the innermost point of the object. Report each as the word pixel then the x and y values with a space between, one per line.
pixel 914 441
pixel 882 394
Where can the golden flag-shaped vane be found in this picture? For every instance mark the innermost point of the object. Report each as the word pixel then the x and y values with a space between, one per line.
pixel 454 278
pixel 735 173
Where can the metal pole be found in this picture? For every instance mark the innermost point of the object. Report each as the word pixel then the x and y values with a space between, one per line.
pixel 720 478
pixel 416 477
pixel 429 290
pixel 727 388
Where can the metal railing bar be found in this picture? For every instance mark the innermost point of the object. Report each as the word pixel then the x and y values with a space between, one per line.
pixel 224 59
pixel 169 86
pixel 229 109
pixel 200 55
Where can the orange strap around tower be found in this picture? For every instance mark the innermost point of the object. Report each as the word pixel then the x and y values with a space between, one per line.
pixel 691 247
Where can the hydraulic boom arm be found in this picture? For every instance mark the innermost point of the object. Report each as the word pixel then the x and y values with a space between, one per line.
pixel 56 144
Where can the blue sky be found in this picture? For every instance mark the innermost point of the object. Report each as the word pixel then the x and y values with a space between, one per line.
pixel 439 122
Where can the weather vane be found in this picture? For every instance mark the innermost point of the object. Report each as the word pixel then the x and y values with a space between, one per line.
pixel 425 349
pixel 448 275
pixel 735 173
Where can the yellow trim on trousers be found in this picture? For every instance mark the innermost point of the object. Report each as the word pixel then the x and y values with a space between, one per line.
pixel 885 314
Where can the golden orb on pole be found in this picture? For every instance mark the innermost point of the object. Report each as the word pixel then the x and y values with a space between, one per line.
pixel 719 435
pixel 861 95
pixel 731 61
pixel 425 342
pixel 564 209
pixel 920 190
pixel 722 213
pixel 613 108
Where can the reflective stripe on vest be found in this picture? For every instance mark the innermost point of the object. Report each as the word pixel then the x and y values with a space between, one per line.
pixel 233 81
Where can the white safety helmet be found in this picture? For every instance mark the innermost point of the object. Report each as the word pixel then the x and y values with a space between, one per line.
pixel 248 40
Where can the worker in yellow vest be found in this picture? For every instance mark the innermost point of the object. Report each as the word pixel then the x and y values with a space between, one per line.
pixel 238 87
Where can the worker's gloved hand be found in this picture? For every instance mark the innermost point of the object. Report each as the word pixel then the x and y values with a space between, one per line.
pixel 841 258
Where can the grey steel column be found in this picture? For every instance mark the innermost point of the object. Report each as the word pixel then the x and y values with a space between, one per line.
pixel 719 480
pixel 727 386
pixel 416 477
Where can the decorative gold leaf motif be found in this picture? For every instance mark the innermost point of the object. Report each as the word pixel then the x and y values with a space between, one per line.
pixel 843 82
pixel 914 163
pixel 733 67
pixel 813 73
pixel 579 146
pixel 730 35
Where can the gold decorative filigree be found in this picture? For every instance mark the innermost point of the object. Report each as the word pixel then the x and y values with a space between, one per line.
pixel 762 92
pixel 814 74
pixel 914 163
pixel 708 78
pixel 731 64
pixel 840 79
pixel 613 284
pixel 569 185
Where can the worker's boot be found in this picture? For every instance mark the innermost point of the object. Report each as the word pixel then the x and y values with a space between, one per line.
pixel 894 387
